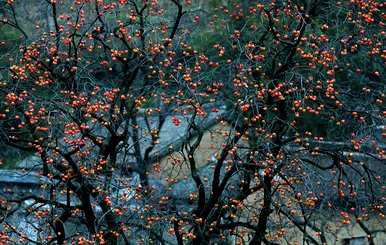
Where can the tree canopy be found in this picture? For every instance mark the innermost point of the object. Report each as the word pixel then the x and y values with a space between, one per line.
pixel 97 90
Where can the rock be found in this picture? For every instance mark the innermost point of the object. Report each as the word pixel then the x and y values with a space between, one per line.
pixel 31 163
pixel 17 177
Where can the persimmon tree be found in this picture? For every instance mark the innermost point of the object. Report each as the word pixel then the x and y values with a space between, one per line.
pixel 92 87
